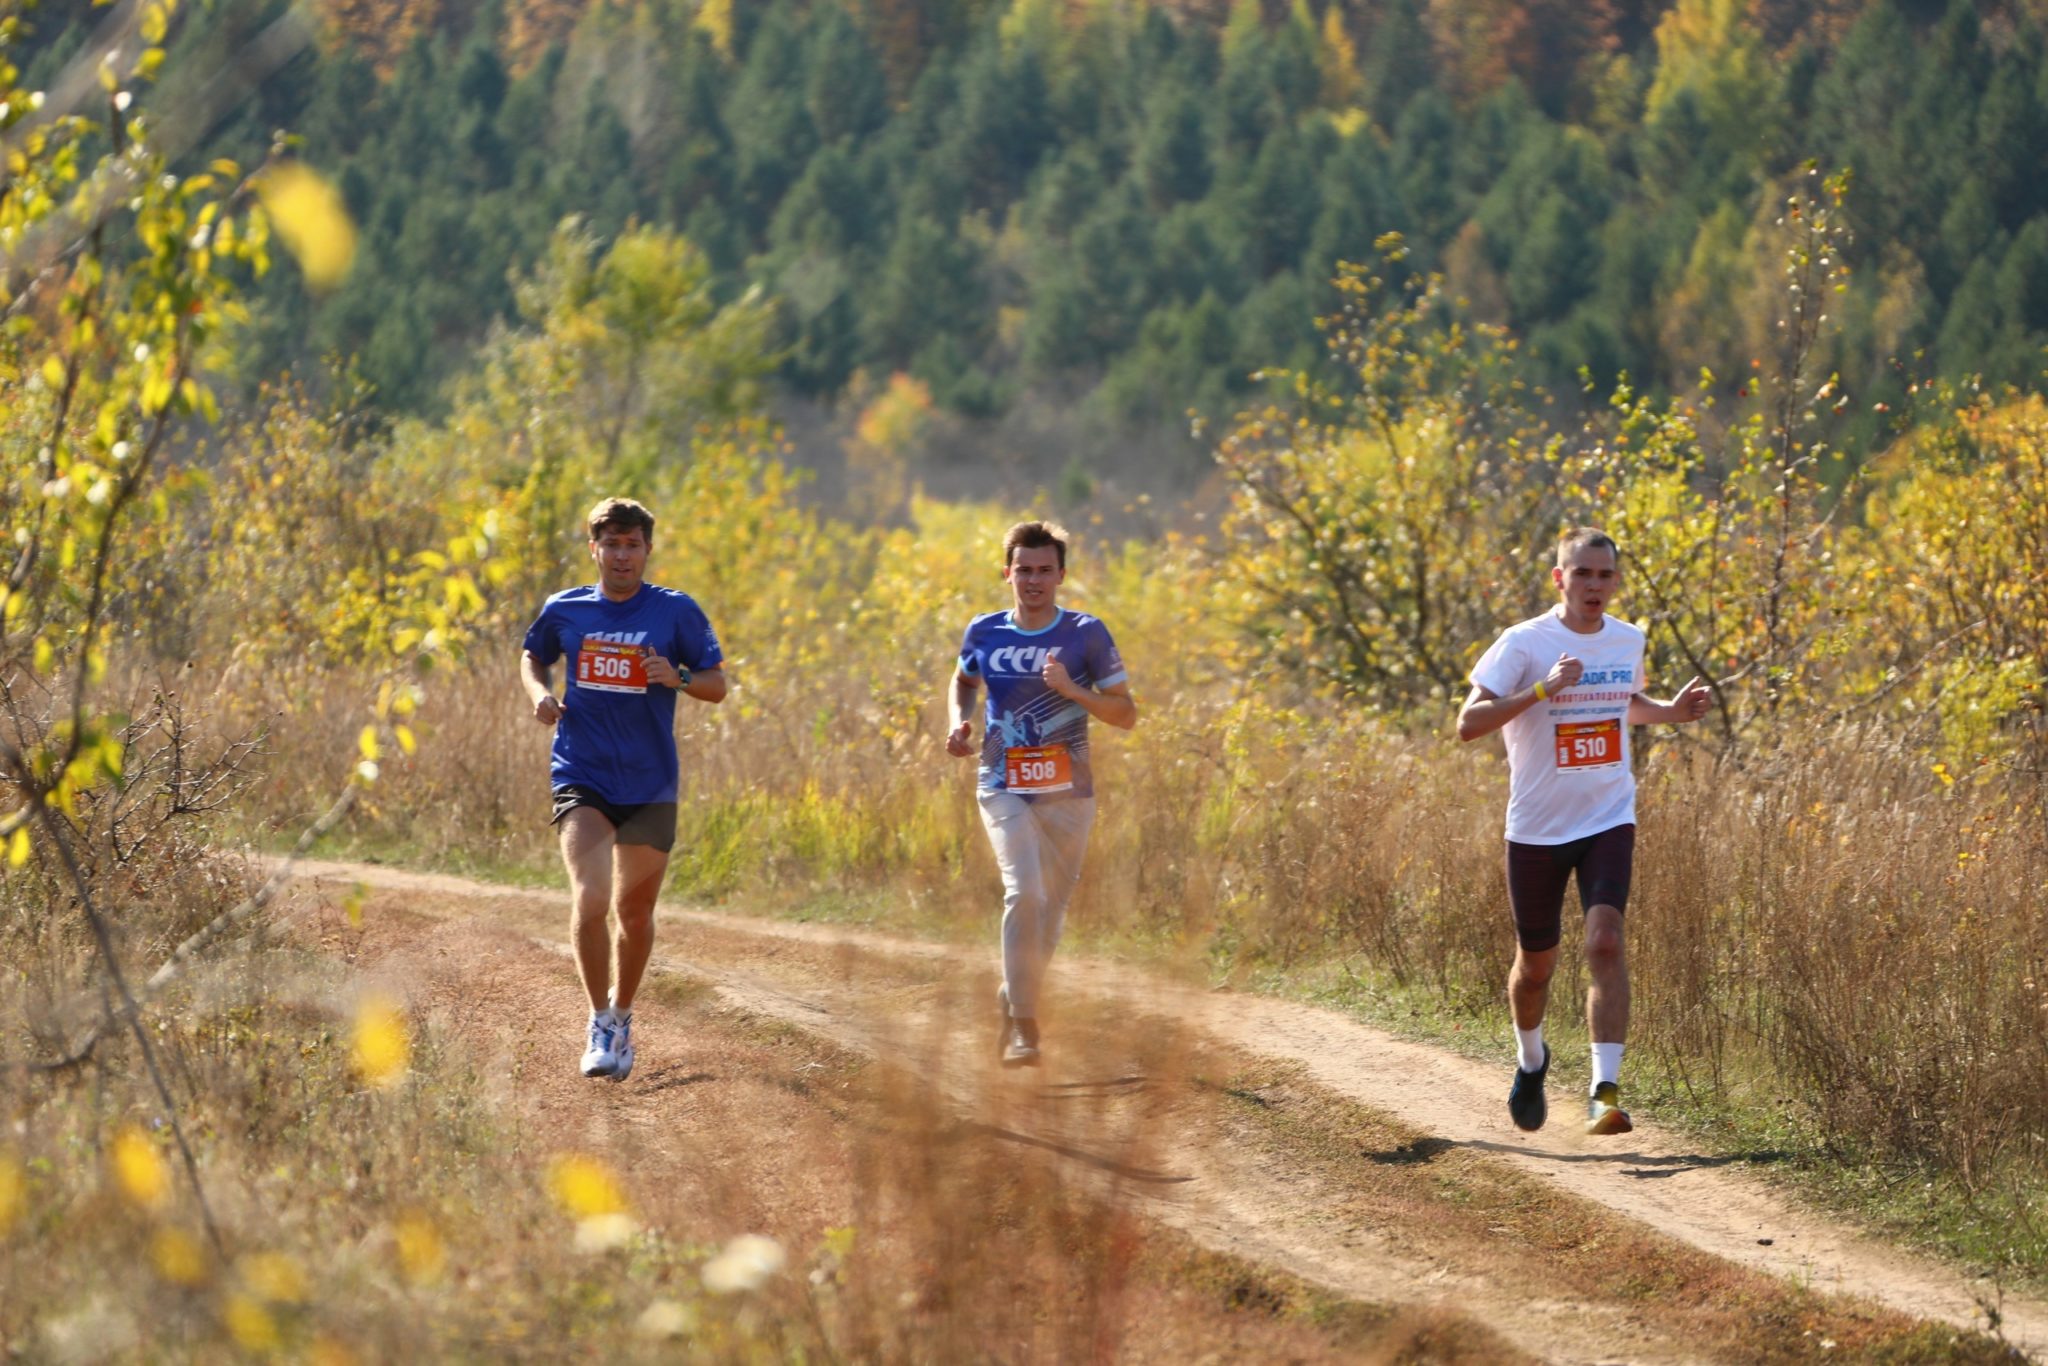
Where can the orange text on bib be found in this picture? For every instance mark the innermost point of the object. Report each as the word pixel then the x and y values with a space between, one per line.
pixel 1037 768
pixel 608 666
pixel 1589 744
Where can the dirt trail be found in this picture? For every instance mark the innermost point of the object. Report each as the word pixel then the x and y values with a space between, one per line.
pixel 1224 1196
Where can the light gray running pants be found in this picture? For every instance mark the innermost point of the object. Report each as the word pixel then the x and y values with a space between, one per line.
pixel 1038 847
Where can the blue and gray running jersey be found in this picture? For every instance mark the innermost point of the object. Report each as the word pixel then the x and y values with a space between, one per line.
pixel 1035 742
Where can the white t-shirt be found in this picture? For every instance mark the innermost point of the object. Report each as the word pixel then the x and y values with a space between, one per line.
pixel 1568 756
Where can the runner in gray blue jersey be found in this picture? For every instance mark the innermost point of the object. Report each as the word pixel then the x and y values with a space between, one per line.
pixel 1048 670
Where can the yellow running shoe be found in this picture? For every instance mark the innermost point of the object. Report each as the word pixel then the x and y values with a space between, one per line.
pixel 1604 1114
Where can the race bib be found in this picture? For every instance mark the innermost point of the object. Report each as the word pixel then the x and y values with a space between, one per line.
pixel 1589 744
pixel 1031 769
pixel 607 666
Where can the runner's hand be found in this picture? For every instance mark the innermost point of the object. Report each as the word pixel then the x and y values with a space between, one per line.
pixel 1563 674
pixel 1693 700
pixel 660 671
pixel 1057 678
pixel 960 741
pixel 548 709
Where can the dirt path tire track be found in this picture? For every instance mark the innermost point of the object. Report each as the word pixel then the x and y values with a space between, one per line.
pixel 1652 1176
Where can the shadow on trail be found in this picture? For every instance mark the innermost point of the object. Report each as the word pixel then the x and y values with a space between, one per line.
pixel 1094 1090
pixel 666 1079
pixel 1097 1160
pixel 1641 1166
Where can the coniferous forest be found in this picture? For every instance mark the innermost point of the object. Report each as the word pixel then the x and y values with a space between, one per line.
pixel 1126 210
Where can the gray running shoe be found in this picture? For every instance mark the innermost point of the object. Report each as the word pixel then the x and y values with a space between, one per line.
pixel 1020 1044
pixel 622 1048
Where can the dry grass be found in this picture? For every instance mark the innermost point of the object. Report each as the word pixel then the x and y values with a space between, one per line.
pixel 1835 934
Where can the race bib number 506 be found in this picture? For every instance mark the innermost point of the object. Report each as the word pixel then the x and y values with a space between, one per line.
pixel 607 666
pixel 1589 744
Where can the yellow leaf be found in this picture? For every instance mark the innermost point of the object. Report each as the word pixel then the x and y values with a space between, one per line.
pixel 382 1042
pixel 421 1256
pixel 45 655
pixel 53 373
pixel 13 1192
pixel 18 848
pixel 178 1257
pixel 312 220
pixel 273 1277
pixel 250 1324
pixel 406 741
pixel 585 1187
pixel 367 743
pixel 140 1170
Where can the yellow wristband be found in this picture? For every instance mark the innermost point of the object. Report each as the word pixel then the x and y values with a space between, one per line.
pixel 1539 690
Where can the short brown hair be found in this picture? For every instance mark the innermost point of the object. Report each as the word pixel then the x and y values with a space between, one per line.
pixel 1580 537
pixel 1032 536
pixel 619 514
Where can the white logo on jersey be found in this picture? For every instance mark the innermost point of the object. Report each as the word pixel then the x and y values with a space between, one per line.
pixel 1020 659
pixel 618 637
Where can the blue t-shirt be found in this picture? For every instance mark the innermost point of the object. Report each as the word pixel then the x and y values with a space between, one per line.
pixel 617 732
pixel 1023 713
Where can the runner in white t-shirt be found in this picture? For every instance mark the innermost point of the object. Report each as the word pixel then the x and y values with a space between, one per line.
pixel 1565 687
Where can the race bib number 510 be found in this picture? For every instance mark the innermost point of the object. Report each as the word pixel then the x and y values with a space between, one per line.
pixel 1037 768
pixel 607 666
pixel 1589 744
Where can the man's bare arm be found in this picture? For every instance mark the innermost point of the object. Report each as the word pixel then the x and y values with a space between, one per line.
pixel 960 699
pixel 540 690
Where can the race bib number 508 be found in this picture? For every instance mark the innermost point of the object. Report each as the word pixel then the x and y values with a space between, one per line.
pixel 1589 744
pixel 607 666
pixel 1037 768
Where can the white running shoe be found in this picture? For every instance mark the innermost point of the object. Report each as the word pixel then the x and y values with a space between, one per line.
pixel 600 1060
pixel 622 1047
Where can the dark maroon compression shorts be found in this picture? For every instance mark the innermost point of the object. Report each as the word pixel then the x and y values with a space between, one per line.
pixel 1537 874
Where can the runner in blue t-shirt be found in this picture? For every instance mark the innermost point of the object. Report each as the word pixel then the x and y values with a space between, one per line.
pixel 632 647
pixel 1048 670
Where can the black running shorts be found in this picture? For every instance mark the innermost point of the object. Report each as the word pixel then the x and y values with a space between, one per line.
pixel 649 823
pixel 1537 874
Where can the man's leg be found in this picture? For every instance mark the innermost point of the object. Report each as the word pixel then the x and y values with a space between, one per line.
pixel 637 870
pixel 1529 985
pixel 1013 836
pixel 1536 875
pixel 1063 826
pixel 587 839
pixel 1607 1002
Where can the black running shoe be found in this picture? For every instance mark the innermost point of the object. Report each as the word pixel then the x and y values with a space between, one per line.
pixel 1526 1105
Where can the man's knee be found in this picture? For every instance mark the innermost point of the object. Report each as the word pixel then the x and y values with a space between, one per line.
pixel 1533 967
pixel 1604 949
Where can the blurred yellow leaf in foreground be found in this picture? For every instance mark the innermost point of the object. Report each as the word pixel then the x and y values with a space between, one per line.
pixel 312 219
pixel 178 1257
pixel 421 1255
pixel 382 1042
pixel 274 1277
pixel 140 1170
pixel 13 1192
pixel 250 1324
pixel 585 1187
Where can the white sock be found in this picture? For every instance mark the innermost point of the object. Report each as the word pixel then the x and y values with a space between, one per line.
pixel 1529 1048
pixel 1606 1064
